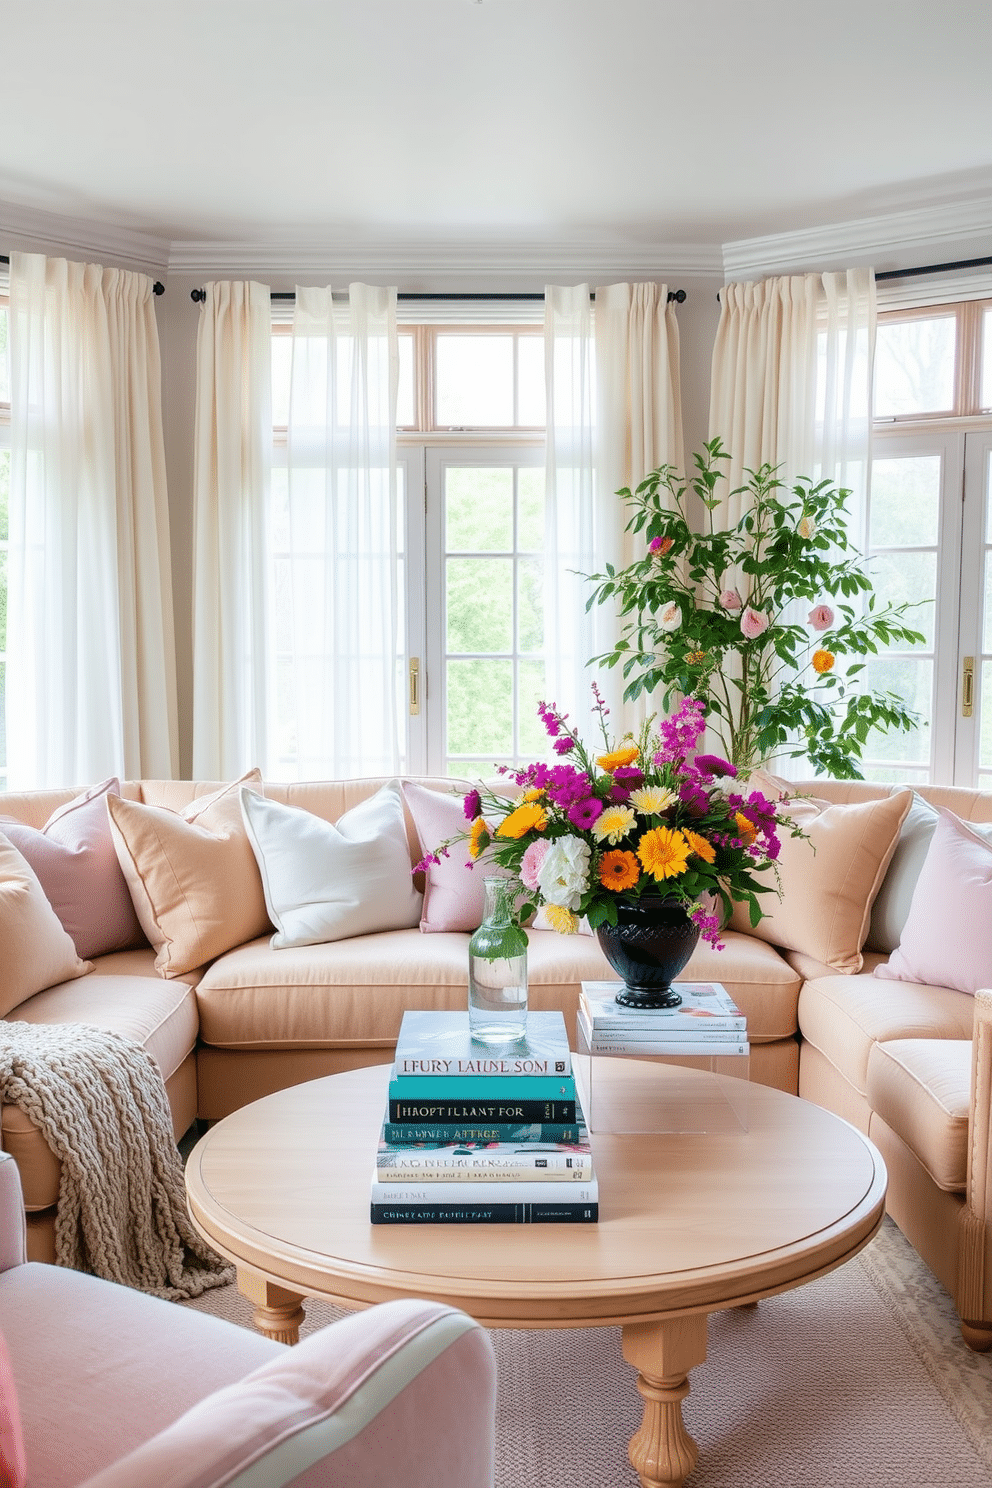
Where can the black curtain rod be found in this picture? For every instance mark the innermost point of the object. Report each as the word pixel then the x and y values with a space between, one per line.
pixel 157 288
pixel 198 295
pixel 961 263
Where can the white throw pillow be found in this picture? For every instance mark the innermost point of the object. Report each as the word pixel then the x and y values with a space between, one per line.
pixel 328 881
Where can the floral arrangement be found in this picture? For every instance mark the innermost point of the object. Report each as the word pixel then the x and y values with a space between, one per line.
pixel 644 816
pixel 711 615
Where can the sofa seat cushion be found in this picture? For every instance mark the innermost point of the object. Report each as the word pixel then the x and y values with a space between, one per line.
pixel 844 1016
pixel 921 1088
pixel 357 990
pixel 159 1015
pixel 92 1385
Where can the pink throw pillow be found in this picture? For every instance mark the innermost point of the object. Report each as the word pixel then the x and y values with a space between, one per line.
pixel 947 938
pixel 76 863
pixel 454 896
pixel 13 1463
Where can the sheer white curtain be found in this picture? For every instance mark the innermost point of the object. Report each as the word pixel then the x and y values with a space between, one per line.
pixel 791 382
pixel 91 687
pixel 335 549
pixel 231 475
pixel 614 414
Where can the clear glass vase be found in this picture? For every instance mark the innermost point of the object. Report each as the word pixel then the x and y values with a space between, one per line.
pixel 497 971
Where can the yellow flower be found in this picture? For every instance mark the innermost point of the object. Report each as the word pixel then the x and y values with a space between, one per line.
pixel 699 845
pixel 618 870
pixel 533 795
pixel 615 822
pixel 695 658
pixel 663 853
pixel 652 800
pixel 479 837
pixel 745 827
pixel 822 661
pixel 561 919
pixel 527 818
pixel 623 756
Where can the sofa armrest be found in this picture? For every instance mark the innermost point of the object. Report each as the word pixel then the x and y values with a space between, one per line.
pixel 13 1234
pixel 974 1288
pixel 403 1392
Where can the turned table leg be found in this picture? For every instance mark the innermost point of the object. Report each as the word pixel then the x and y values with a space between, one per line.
pixel 278 1312
pixel 662 1452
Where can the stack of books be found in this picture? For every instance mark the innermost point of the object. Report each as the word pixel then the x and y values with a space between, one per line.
pixel 475 1135
pixel 706 1023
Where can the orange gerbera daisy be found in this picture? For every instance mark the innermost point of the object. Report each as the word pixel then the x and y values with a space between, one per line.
pixel 663 852
pixel 822 661
pixel 618 870
pixel 699 845
pixel 745 828
pixel 479 837
pixel 618 757
pixel 530 817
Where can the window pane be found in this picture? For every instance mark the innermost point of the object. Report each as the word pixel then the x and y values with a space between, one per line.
pixel 987 359
pixel 530 509
pixel 912 683
pixel 908 578
pixel 479 604
pixel 3 601
pixel 480 707
pixel 987 625
pixel 533 742
pixel 530 605
pixel 282 356
pixel 406 403
pixel 905 502
pixel 530 389
pixel 914 366
pixel 474 381
pixel 4 356
pixel 478 510
pixel 4 494
pixel 3 725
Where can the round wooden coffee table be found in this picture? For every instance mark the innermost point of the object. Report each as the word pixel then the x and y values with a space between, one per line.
pixel 689 1224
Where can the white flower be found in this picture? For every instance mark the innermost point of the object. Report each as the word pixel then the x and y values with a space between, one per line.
pixel 652 800
pixel 564 874
pixel 615 822
pixel 670 617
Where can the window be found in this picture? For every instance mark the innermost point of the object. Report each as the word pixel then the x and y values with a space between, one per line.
pixel 470 460
pixel 929 537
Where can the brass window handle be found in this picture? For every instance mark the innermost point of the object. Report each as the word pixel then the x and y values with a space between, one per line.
pixel 414 684
pixel 967 687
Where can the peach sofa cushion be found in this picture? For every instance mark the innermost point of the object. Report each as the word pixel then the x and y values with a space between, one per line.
pixel 192 876
pixel 35 951
pixel 829 878
pixel 77 866
pixel 454 892
pixel 921 1088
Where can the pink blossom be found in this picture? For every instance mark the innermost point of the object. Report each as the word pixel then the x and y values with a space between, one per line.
pixel 731 600
pixel 753 623
pixel 530 863
pixel 821 617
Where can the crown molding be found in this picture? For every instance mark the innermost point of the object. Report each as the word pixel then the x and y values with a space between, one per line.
pixel 879 240
pixel 31 230
pixel 417 264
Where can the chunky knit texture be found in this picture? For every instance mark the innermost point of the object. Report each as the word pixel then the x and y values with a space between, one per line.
pixel 99 1101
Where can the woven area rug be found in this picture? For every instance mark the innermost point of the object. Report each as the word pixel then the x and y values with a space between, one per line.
pixel 859 1378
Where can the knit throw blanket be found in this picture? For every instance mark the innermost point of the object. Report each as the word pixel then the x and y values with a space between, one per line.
pixel 100 1103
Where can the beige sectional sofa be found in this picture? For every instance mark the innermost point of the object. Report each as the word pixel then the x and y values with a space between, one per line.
pixel 892 1057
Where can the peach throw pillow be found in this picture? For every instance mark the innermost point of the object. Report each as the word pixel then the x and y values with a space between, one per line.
pixel 829 881
pixel 192 876
pixel 35 950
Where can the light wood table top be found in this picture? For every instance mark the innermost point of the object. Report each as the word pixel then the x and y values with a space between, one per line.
pixel 689 1224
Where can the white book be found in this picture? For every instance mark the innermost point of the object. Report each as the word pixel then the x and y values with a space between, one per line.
pixel 705 1006
pixel 485 1192
pixel 717 1045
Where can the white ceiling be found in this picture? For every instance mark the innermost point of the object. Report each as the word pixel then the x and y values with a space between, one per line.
pixel 620 121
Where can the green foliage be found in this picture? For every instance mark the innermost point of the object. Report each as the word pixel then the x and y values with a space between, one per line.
pixel 704 616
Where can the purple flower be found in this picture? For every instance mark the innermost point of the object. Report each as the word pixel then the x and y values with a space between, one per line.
pixel 550 718
pixel 583 814
pixel 694 798
pixel 712 764
pixel 566 785
pixel 629 776
pixel 472 805
pixel 679 733
pixel 564 745
pixel 617 795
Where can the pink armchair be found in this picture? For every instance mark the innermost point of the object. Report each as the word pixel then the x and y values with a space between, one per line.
pixel 119 1390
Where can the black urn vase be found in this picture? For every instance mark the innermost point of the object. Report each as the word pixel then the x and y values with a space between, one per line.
pixel 648 947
